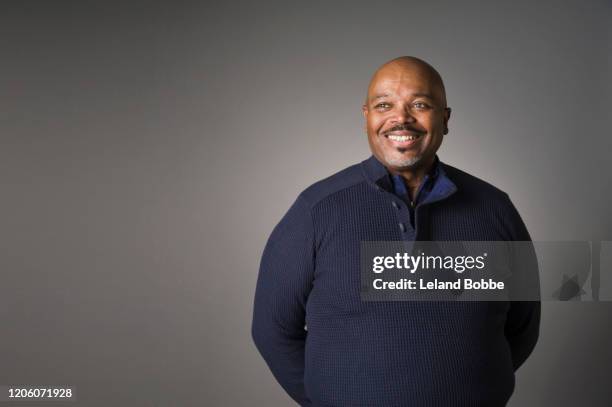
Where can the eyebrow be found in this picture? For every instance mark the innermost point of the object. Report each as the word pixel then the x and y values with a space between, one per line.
pixel 384 95
pixel 373 98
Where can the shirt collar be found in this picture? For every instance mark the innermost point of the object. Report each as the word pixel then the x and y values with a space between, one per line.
pixel 400 189
pixel 442 186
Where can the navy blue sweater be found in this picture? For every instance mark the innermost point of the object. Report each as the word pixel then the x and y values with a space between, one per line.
pixel 327 347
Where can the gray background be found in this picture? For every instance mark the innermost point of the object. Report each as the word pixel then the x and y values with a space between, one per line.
pixel 148 149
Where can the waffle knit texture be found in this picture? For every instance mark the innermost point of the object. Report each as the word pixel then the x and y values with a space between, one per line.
pixel 326 347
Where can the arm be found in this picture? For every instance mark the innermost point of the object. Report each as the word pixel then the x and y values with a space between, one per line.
pixel 523 320
pixel 284 282
pixel 522 329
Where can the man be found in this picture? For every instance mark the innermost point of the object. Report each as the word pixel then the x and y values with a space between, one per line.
pixel 327 347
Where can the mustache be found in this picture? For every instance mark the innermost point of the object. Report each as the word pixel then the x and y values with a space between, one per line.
pixel 402 127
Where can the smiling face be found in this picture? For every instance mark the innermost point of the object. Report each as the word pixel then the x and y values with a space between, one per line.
pixel 406 114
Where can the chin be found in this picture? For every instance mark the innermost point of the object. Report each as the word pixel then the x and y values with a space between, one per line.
pixel 403 163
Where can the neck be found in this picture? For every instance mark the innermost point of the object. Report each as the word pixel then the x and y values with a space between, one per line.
pixel 413 176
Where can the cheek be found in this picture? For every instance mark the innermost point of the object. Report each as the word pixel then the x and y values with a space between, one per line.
pixel 375 124
pixel 434 124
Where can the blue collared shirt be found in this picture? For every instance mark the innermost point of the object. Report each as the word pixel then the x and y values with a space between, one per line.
pixel 400 189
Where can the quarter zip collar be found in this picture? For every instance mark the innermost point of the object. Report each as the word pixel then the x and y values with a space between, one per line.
pixel 378 175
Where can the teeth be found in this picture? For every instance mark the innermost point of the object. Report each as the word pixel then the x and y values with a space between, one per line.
pixel 402 138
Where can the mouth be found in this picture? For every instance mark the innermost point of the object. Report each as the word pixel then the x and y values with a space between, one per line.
pixel 403 139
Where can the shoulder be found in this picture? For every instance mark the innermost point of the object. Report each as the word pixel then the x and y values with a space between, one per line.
pixel 341 180
pixel 473 186
pixel 488 199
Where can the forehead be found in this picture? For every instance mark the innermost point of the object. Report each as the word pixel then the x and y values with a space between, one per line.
pixel 403 82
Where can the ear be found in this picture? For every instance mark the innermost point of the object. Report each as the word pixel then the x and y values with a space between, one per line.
pixel 364 112
pixel 447 114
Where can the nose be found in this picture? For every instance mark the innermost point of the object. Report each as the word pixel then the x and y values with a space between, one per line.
pixel 402 114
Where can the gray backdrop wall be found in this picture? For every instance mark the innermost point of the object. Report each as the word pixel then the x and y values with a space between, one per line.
pixel 148 149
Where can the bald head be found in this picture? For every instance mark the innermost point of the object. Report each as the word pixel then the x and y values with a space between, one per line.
pixel 408 66
pixel 406 116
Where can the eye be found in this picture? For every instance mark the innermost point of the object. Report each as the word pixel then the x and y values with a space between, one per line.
pixel 420 105
pixel 382 106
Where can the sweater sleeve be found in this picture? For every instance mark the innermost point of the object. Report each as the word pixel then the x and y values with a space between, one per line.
pixel 285 279
pixel 523 320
